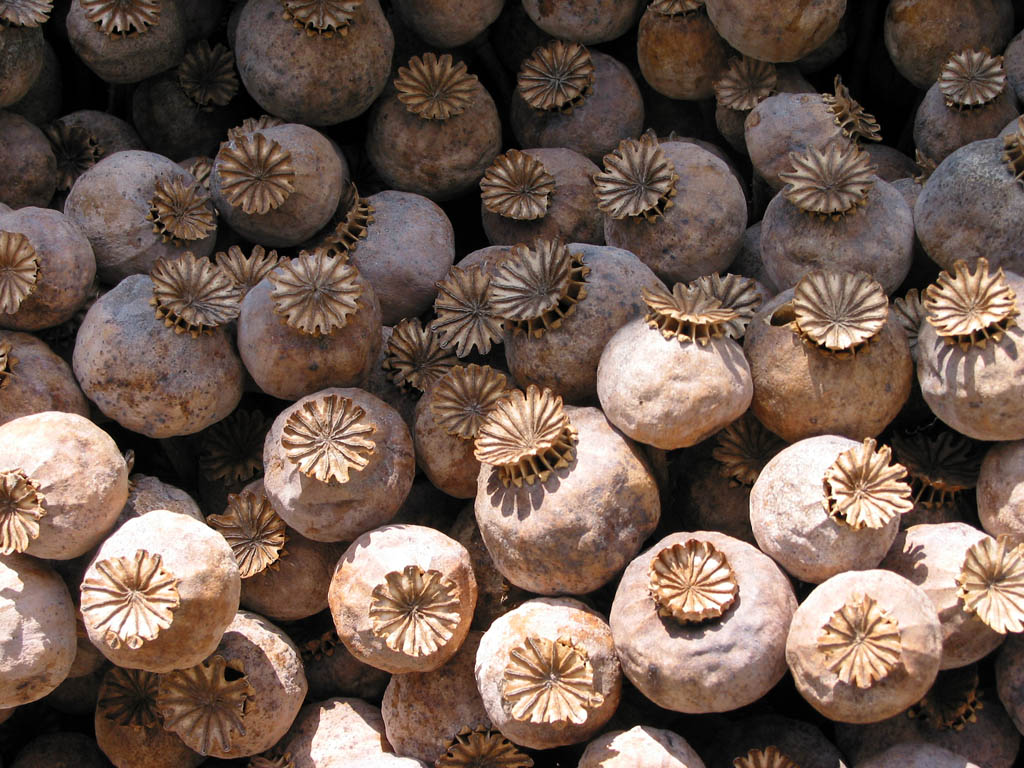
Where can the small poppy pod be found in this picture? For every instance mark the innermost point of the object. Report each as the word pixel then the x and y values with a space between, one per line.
pixel 436 132
pixel 448 23
pixel 33 379
pixel 674 376
pixel 640 747
pixel 81 139
pixel 589 21
pixel 337 463
pixel 562 471
pixel 679 51
pixel 569 96
pixel 826 505
pixel 828 357
pixel 778 31
pixel 21 38
pixel 680 616
pixel 159 592
pixel 864 646
pixel 111 134
pixel 402 598
pixel 1000 491
pixel 774 741
pixel 28 168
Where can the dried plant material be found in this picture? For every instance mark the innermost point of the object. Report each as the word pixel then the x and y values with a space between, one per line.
pixel 21 509
pixel 269 760
pixel 482 748
pixel 19 271
pixel 435 88
pixel 925 165
pixel 231 450
pixel 121 18
pixel 181 212
pixel 969 308
pixel 687 313
pixel 991 583
pixel 910 314
pixel 840 312
pixel 201 168
pixel 193 295
pixel 130 599
pixel 247 271
pixel 535 289
pixel 253 530
pixel 415 356
pixel 952 702
pixel 517 186
pixel 466 316
pixel 549 681
pixel 315 293
pixel 255 173
pixel 638 180
pixel 465 396
pixel 207 75
pixel 1013 151
pixel 557 76
pixel 770 757
pixel 252 125
pixel 7 364
pixel 527 436
pixel 745 83
pixel 692 582
pixel 128 697
pixel 861 642
pixel 971 79
pixel 25 13
pixel 345 237
pixel 319 647
pixel 830 183
pixel 744 448
pixel 321 17
pixel 849 115
pixel 939 467
pixel 415 611
pixel 203 705
pixel 328 437
pixel 75 149
pixel 675 7
pixel 863 490
pixel 733 292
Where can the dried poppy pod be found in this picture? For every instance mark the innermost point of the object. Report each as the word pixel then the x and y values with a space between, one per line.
pixel 338 462
pixel 1010 678
pixel 969 352
pixel 39 630
pixel 743 84
pixel 467 317
pixel 674 376
pixel 679 51
pixel 402 598
pixel 33 379
pixel 1000 489
pixel 230 456
pixel 147 494
pixel 564 471
pixel 278 186
pixel 127 41
pixel 589 21
pixel 834 204
pixel 674 204
pixel 940 468
pixel 569 96
pixel 827 357
pixel 540 193
pixel 776 741
pixel 43 100
pixel 246 270
pixel 640 747
pixel 21 39
pixel 313 322
pixel 448 24
pixel 918 755
pixel 780 31
pixel 28 168
pixel 680 616
pixel 414 357
pixel 60 749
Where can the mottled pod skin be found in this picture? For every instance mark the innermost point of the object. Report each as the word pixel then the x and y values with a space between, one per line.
pixel 21 61
pixel 145 376
pixel 776 31
pixel 940 130
pixel 586 21
pixel 680 56
pixel 1013 63
pixel 710 666
pixel 800 741
pixel 447 460
pixel 730 122
pixel 335 733
pixel 640 747
pixel 81 474
pixel 1010 678
pixel 28 168
pixel 44 98
pixel 42 381
pixel 111 133
pixel 448 23
pixel 918 755
pixel 341 511
pixel 1001 489
pixel 131 746
pixel 605 504
pixel 38 630
pixel 146 494
pixel 60 750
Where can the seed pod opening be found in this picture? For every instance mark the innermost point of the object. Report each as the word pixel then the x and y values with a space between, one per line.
pixel 253 530
pixel 971 79
pixel 550 682
pixel 25 13
pixel 557 76
pixel 124 18
pixel 323 18
pixel 864 490
pixel 849 115
pixel 181 213
pixel 193 295
pixel 764 758
pixel 638 180
pixel 327 438
pixel 435 88
pixel 76 151
pixel 688 314
pixel 466 315
pixel 246 271
pixel 1013 151
pixel 231 450
pixel 464 398
pixel 939 467
pixel 745 83
pixel 970 308
pixel 953 702
pixel 829 184
pixel 345 237
pixel 482 746
pixel 839 312
pixel 861 642
pixel 19 270
pixel 21 507
pixel 744 448
pixel 991 583
pixel 414 611
pixel 517 186
pixel 734 292
pixel 316 293
pixel 207 75
pixel 415 356
pixel 909 311
pixel 256 173
pixel 692 582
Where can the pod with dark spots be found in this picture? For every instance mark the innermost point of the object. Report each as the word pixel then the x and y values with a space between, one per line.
pixel 1001 489
pixel 28 168
pixel 780 31
pixel 33 379
pixel 640 747
pixel 147 494
pixel 448 23
pixel 589 21
pixel 679 51
pixel 111 134
pixel 22 60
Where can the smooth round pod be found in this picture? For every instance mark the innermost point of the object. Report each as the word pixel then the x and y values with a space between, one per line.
pixel 112 134
pixel 1010 679
pixel 586 21
pixel 778 31
pixel 680 56
pixel 146 494
pixel 66 268
pixel 38 630
pixel 671 393
pixel 145 376
pixel 28 167
pixel 336 733
pixel 917 755
pixel 37 380
pixel 21 61
pixel 80 473
pixel 571 533
pixel 60 750
pixel 448 23
pixel 891 164
pixel 1000 490
pixel 640 747
pixel 381 591
pixel 701 231
pixel 749 263
pixel 340 511
pixel 713 501
pixel 906 643
pixel 446 459
pixel 407 249
pixel 202 568
pixel 940 130
pixel 709 666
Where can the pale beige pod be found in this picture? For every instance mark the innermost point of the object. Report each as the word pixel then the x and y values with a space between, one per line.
pixel 640 747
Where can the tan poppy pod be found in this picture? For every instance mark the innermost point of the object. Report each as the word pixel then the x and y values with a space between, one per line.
pixel 331 670
pixel 1000 491
pixel 33 379
pixel 779 31
pixel 570 96
pixel 416 356
pixel 313 322
pixel 834 204
pixel 129 727
pixel 448 23
pixel 828 357
pixel 21 38
pixel 540 193
pixel 675 376
pixel 679 51
pixel 28 168
pixel 674 204
pixel 402 598
pixel 775 741
pixel 146 494
pixel 337 463
pixel 60 750
pixel 44 98
pixel 640 747
pixel 35 608
pixel 436 132
pixel 969 352
pixel 590 21
pixel 864 646
pixel 940 468
pixel 683 615
pixel 563 471
pixel 160 592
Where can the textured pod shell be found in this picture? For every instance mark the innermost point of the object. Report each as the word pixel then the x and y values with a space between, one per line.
pixel 341 732
pixel 680 56
pixel 1001 489
pixel 780 31
pixel 448 23
pixel 28 168
pixel 42 381
pixel 21 62
pixel 589 22
pixel 640 747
